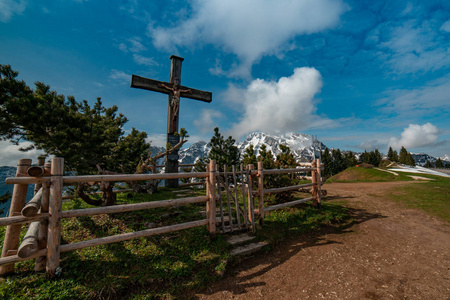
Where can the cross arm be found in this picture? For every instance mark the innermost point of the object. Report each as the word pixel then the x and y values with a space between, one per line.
pixel 196 94
pixel 149 84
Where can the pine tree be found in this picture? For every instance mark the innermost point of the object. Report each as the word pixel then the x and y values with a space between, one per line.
pixel 3 199
pixel 428 164
pixel 395 156
pixel 266 157
pixel 327 161
pixel 338 161
pixel 249 157
pixel 410 160
pixel 224 152
pixel 439 163
pixel 350 159
pixel 391 154
pixel 87 137
pixel 403 157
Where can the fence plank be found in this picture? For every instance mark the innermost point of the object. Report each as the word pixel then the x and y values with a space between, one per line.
pixel 131 235
pixel 227 189
pixel 54 221
pixel 12 234
pixel 236 200
pixel 130 207
pixel 278 206
pixel 211 194
pixel 287 188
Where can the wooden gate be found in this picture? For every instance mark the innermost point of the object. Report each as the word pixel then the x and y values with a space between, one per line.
pixel 235 205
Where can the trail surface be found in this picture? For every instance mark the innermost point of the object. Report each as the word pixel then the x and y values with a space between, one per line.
pixel 389 252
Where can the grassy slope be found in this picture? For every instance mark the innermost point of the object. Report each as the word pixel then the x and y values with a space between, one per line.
pixel 354 174
pixel 163 266
pixel 430 196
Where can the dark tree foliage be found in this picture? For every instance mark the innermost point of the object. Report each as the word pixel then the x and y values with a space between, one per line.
pixel 373 157
pixel 428 164
pixel 395 156
pixel 392 155
pixel 224 152
pixel 350 159
pixel 439 163
pixel 88 138
pixel 403 156
pixel 249 157
pixel 410 160
pixel 283 160
pixel 338 163
pixel 328 163
pixel 3 199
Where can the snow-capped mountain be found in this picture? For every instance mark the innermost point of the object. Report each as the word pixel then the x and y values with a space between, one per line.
pixel 446 157
pixel 421 158
pixel 301 146
pixel 197 150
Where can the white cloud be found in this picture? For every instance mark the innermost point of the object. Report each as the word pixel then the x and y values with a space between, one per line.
pixel 133 45
pixel 434 96
pixel 158 140
pixel 146 61
pixel 8 8
pixel 120 76
pixel 208 120
pixel 416 136
pixel 446 26
pixel 10 153
pixel 248 28
pixel 277 107
pixel 415 47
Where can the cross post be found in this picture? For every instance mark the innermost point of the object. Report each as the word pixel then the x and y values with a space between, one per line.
pixel 175 90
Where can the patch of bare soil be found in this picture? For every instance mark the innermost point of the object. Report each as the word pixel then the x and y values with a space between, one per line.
pixel 389 252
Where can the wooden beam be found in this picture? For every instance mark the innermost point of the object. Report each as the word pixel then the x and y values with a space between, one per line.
pixel 287 188
pixel 282 205
pixel 29 244
pixel 32 207
pixel 132 177
pixel 12 234
pixel 131 235
pixel 54 222
pixel 130 207
pixel 22 220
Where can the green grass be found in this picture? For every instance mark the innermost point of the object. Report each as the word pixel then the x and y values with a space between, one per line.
pixel 432 197
pixel 354 174
pixel 167 266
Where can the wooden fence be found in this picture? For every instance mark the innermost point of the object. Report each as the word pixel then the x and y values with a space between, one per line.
pixel 44 211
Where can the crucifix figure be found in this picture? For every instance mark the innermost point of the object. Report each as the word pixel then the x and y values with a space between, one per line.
pixel 175 91
pixel 174 104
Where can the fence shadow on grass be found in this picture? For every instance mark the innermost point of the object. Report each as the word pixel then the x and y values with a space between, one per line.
pixel 283 252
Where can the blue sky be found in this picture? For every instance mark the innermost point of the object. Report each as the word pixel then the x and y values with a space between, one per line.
pixel 358 74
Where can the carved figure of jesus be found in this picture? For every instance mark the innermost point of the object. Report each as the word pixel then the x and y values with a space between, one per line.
pixel 175 102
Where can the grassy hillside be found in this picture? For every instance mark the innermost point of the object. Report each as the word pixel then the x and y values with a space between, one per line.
pixel 432 196
pixel 359 174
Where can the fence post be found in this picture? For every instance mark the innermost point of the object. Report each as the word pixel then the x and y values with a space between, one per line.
pixel 211 193
pixel 54 221
pixel 319 183
pixel 12 235
pixel 261 192
pixel 314 181
pixel 43 228
pixel 251 203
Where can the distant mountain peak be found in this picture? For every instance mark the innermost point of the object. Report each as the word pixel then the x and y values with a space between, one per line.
pixel 300 144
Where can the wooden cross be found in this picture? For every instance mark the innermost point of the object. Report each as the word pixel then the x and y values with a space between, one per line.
pixel 175 90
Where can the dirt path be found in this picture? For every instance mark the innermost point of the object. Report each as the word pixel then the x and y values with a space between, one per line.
pixel 390 252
